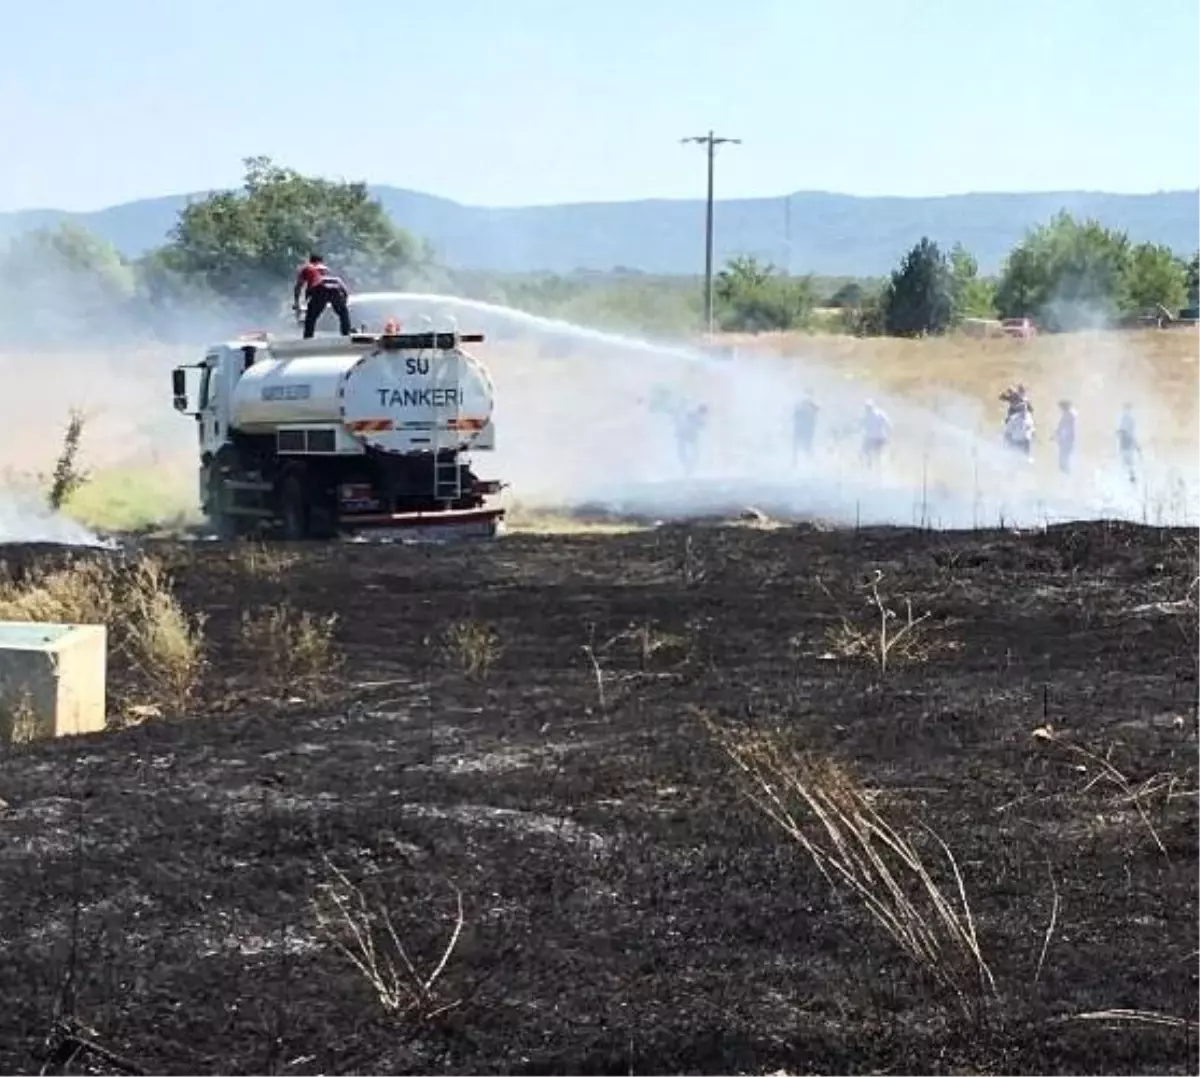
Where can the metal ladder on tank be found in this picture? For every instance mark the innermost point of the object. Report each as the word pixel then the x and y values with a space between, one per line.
pixel 447 424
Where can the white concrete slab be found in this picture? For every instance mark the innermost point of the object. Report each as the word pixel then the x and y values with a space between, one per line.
pixel 53 680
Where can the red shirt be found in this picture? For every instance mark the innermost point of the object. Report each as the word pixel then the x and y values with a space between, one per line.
pixel 311 274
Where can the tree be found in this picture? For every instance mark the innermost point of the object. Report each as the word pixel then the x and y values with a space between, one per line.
pixel 1067 275
pixel 1155 277
pixel 1193 281
pixel 241 245
pixel 919 297
pixel 752 297
pixel 849 295
pixel 867 319
pixel 970 295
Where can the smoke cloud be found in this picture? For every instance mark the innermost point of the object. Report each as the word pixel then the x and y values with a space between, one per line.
pixel 90 341
pixel 592 420
pixel 589 419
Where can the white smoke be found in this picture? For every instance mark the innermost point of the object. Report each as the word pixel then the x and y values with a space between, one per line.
pixel 590 418
pixel 26 518
pixel 66 343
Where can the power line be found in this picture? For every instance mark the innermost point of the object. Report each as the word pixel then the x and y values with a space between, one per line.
pixel 712 142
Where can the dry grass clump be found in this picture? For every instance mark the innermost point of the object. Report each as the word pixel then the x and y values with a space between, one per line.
pixel 473 646
pixel 295 650
pixel 885 636
pixel 842 828
pixel 264 561
pixel 155 647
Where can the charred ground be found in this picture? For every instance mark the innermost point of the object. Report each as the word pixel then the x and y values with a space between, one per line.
pixel 625 909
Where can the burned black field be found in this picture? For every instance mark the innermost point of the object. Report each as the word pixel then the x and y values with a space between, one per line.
pixel 539 726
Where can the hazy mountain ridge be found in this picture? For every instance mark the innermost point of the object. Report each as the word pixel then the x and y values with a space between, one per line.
pixel 830 234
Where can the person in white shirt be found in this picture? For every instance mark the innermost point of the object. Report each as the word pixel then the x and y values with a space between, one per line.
pixel 1018 431
pixel 1127 441
pixel 1064 434
pixel 876 429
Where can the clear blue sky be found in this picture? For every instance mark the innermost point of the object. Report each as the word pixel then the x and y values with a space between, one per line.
pixel 511 102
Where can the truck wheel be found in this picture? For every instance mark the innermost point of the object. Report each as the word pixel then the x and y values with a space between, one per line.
pixel 293 509
pixel 322 521
pixel 225 526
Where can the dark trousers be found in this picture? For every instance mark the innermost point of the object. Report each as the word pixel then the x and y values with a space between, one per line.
pixel 321 297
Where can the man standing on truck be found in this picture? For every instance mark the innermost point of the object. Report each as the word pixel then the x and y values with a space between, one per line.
pixel 321 289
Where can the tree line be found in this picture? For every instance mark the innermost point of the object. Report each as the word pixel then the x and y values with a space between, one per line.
pixel 233 255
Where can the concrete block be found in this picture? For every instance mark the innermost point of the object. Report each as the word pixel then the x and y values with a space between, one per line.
pixel 53 680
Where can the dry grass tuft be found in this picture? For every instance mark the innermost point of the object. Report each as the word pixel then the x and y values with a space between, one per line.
pixel 473 646
pixel 888 637
pixel 264 561
pixel 161 639
pixel 1163 787
pixel 841 827
pixel 156 649
pixel 20 723
pixel 296 650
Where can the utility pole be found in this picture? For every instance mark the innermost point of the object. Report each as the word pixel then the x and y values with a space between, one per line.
pixel 787 235
pixel 712 142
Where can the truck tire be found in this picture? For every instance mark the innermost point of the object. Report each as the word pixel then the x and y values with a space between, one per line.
pixel 225 526
pixel 293 508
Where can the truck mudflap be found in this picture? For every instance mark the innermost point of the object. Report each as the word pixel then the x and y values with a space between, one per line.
pixel 423 526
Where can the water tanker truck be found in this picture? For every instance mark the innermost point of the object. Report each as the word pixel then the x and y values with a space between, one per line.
pixel 312 439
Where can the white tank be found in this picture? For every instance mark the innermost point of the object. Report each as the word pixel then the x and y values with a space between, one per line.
pixel 391 400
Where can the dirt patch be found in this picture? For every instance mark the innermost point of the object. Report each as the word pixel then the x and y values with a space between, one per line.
pixel 625 908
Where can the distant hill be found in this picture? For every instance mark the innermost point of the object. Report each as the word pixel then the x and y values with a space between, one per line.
pixel 831 234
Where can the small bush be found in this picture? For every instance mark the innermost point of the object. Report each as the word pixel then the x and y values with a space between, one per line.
pixel 68 477
pixel 297 649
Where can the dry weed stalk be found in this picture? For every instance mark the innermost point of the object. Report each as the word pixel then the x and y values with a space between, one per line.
pixel 1129 793
pixel 475 647
pixel 19 723
pixel 835 820
pixel 691 564
pixel 297 647
pixel 648 643
pixel 368 939
pixel 890 639
pixel 1134 1017
pixel 264 561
